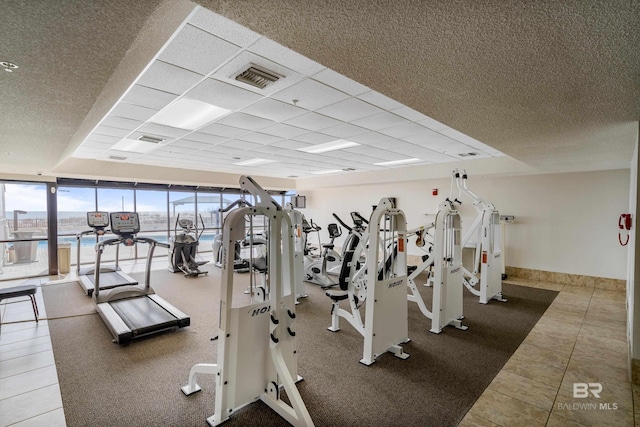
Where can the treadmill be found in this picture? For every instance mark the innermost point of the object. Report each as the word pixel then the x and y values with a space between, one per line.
pixel 110 276
pixel 133 311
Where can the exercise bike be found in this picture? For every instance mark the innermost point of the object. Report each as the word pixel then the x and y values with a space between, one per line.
pixel 184 248
pixel 319 269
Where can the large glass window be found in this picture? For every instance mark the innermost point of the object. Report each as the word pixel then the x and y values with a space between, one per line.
pixel 152 209
pixel 73 205
pixel 23 230
pixel 117 200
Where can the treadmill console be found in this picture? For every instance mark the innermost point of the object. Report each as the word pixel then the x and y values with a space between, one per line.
pixel 98 219
pixel 125 224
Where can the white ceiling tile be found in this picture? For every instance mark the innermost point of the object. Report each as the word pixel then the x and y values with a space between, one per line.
pixel 103 138
pixel 131 111
pixel 284 131
pixel 168 78
pixel 313 121
pixel 223 130
pixel 340 82
pixel 310 94
pixel 228 72
pixel 147 97
pixel 344 130
pixel 349 109
pixel 290 144
pixel 432 124
pixel 380 121
pixel 374 138
pixel 245 121
pixel 109 131
pixel 95 145
pixel 403 130
pixel 197 50
pixel 205 137
pixel 223 94
pixel 427 155
pixel 465 139
pixel 121 123
pixel 160 130
pixel 409 113
pixel 193 145
pixel 314 138
pixel 259 138
pixel 380 100
pixel 286 57
pixel 89 153
pixel 272 109
pixel 223 27
pixel 239 145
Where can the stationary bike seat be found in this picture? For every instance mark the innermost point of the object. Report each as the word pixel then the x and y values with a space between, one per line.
pixel 337 295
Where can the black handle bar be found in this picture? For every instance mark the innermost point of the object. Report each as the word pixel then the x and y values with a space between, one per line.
pixel 342 222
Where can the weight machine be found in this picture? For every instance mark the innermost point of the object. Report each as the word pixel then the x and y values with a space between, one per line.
pixel 257 341
pixel 374 273
pixel 446 260
pixel 299 242
pixel 485 236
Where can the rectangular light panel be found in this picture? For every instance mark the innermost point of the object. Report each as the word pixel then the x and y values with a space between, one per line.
pixel 254 162
pixel 187 113
pixel 398 162
pixel 338 144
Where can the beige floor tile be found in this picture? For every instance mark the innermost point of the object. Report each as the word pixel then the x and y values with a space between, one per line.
pixel 613 312
pixel 26 363
pixel 587 371
pixel 551 342
pixel 604 332
pixel 542 355
pixel 577 291
pixel 557 329
pixel 537 371
pixel 21 407
pixel 556 420
pixel 603 342
pixel 607 323
pixel 568 316
pixel 507 411
pixel 596 356
pixel 527 390
pixel 619 393
pixel 28 381
pixel 53 418
pixel 612 409
pixel 472 420
pixel 559 319
pixel 602 294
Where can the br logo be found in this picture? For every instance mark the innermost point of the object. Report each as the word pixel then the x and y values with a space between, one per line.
pixel 582 390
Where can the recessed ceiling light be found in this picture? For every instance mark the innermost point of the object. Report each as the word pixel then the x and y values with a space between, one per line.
pixel 8 66
pixel 324 172
pixel 189 114
pixel 398 162
pixel 338 144
pixel 254 162
pixel 152 139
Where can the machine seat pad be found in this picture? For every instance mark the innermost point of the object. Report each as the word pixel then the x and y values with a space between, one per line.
pixel 336 295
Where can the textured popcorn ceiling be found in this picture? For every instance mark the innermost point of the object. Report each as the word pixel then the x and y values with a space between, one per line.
pixel 555 85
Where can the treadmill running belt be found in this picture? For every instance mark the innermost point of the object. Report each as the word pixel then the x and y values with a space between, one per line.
pixel 110 279
pixel 143 316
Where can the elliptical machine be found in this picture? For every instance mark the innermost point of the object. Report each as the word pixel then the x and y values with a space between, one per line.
pixel 184 248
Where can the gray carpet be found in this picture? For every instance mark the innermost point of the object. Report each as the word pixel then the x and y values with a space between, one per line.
pixel 139 384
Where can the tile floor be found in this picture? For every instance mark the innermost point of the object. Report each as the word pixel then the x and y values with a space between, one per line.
pixel 580 338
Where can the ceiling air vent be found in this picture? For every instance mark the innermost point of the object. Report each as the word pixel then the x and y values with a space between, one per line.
pixel 471 154
pixel 117 158
pixel 151 139
pixel 257 77
pixel 348 169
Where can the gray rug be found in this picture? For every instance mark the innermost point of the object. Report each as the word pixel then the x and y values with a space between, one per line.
pixel 139 384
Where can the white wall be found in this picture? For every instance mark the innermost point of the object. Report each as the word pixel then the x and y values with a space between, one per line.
pixel 565 223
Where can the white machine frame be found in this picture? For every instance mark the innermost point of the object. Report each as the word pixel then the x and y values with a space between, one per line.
pixel 298 252
pixel 446 259
pixel 257 342
pixel 385 324
pixel 485 236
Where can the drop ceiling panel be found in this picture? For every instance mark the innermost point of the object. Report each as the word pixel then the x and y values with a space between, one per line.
pixel 148 97
pixel 223 27
pixel 272 109
pixel 95 145
pixel 239 144
pixel 349 109
pixel 193 145
pixel 198 50
pixel 409 114
pixel 133 112
pixel 379 100
pixel 284 131
pixel 290 145
pixel 168 78
pixel 314 138
pixel 160 130
pixel 121 123
pixel 374 139
pixel 223 130
pixel 462 138
pixel 313 121
pixel 380 121
pixel 310 94
pixel 259 138
pixel 340 82
pixel 403 130
pixel 223 94
pixel 205 137
pixel 344 130
pixel 285 56
pixel 432 124
pixel 103 138
pixel 245 121
pixel 109 131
